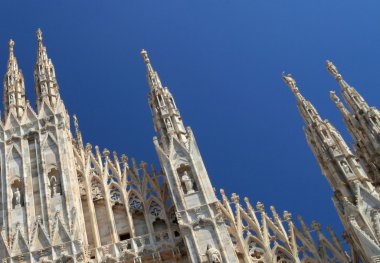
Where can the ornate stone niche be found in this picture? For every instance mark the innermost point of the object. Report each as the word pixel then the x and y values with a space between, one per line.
pixel 345 167
pixel 54 182
pixel 17 192
pixel 168 123
pixel 186 178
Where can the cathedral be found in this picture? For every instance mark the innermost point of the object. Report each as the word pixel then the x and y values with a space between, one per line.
pixel 66 201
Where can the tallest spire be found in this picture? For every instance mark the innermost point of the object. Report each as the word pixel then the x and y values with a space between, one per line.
pixel 46 86
pixel 14 88
pixel 166 117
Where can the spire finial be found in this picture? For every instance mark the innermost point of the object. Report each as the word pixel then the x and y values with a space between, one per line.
pixel 39 35
pixel 333 70
pixel 144 54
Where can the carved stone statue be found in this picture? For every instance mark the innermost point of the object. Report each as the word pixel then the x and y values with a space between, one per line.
pixel 213 255
pixel 43 89
pixel 17 197
pixel 169 124
pixel 189 185
pixel 53 183
pixel 332 69
pixel 346 168
pixel 290 81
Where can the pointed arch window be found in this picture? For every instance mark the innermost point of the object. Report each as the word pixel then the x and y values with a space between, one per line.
pixel 115 195
pixel 135 203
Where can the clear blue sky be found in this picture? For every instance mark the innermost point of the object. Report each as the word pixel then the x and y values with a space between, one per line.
pixel 222 60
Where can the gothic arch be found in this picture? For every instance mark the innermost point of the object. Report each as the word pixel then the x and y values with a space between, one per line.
pixel 137 209
pixel 119 211
pixel 157 215
pixel 101 212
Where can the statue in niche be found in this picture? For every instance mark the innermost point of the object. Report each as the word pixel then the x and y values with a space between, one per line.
pixel 346 168
pixel 43 89
pixel 17 197
pixel 213 255
pixel 11 100
pixel 53 185
pixel 168 124
pixel 188 183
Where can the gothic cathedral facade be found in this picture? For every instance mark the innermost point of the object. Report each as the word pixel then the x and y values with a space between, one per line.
pixel 66 201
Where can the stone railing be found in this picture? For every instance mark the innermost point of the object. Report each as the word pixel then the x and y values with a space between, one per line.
pixel 146 245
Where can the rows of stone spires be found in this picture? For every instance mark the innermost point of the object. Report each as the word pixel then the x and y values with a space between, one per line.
pixel 47 91
pixel 362 121
pixel 135 171
pixel 45 82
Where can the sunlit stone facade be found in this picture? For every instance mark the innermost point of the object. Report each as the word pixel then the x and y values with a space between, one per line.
pixel 66 201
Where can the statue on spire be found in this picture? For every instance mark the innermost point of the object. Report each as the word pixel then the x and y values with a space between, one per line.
pixel 39 35
pixel 11 45
pixel 333 70
pixel 334 97
pixel 288 79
